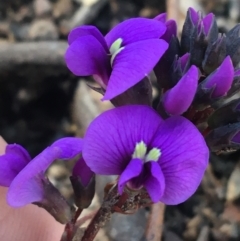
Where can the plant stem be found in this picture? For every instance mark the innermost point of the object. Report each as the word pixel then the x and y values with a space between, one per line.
pixel 155 223
pixel 103 215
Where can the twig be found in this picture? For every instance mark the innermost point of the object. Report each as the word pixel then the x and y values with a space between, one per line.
pixel 32 53
pixel 155 223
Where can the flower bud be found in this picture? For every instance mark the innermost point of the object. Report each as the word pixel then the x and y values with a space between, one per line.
pixel 83 195
pixel 235 85
pixel 178 99
pixel 162 69
pixel 224 138
pixel 188 28
pixel 83 183
pixel 180 67
pixel 197 33
pixel 216 85
pixel 139 94
pixel 233 44
pixel 214 55
pixel 171 27
pixel 226 114
pixel 204 33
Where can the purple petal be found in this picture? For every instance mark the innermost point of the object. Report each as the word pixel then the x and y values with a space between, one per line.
pixel 221 79
pixel 207 22
pixel 194 16
pixel 133 169
pixel 87 30
pixel 132 64
pixel 27 186
pixel 162 17
pixel 111 138
pixel 184 158
pixel 171 30
pixel 134 30
pixel 70 147
pixel 12 162
pixel 155 183
pixel 178 99
pixel 83 171
pixel 86 56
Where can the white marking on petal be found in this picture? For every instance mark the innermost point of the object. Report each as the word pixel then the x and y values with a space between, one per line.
pixel 114 55
pixel 140 150
pixel 153 155
pixel 116 45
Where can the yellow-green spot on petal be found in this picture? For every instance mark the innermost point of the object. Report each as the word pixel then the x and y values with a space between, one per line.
pixel 116 45
pixel 115 53
pixel 153 155
pixel 140 150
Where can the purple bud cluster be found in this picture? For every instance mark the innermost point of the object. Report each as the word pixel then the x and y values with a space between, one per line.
pixel 199 75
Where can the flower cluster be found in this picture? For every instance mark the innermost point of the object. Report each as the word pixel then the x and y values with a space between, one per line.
pixel 161 152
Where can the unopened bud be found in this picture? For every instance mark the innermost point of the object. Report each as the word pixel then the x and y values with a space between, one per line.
pixel 224 138
pixel 226 114
pixel 180 67
pixel 162 69
pixel 83 195
pixel 216 85
pixel 178 99
pixel 139 94
pixel 233 44
pixel 214 55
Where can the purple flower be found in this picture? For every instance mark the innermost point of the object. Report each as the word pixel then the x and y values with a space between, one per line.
pixel 178 99
pixel 25 177
pixel 146 151
pixel 220 81
pixel 119 60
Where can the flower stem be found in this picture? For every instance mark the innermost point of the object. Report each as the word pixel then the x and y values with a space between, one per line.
pixel 155 222
pixel 102 216
pixel 70 227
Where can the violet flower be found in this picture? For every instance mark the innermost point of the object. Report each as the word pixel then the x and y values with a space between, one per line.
pixel 167 157
pixel 178 99
pixel 26 178
pixel 119 60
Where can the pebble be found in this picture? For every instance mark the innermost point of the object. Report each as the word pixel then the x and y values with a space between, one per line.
pixel 233 186
pixel 43 29
pixel 42 7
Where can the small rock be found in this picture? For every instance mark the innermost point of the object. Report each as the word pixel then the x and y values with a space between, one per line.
pixel 57 171
pixel 230 230
pixel 233 186
pixel 42 7
pixel 231 213
pixel 43 30
pixel 62 8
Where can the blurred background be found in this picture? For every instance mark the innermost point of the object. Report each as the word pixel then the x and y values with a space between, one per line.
pixel 40 101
